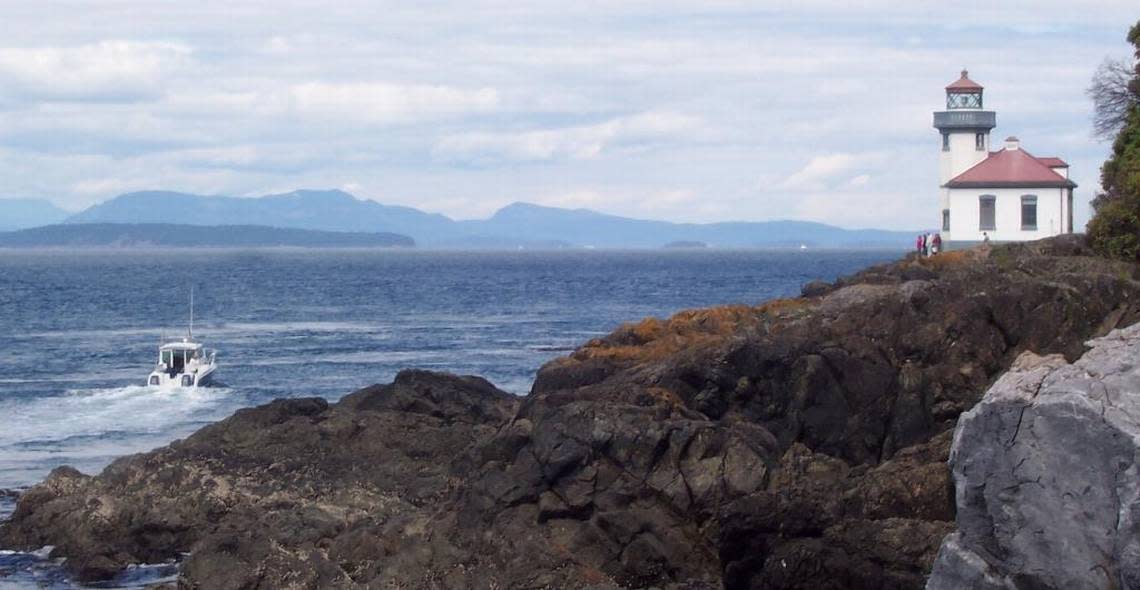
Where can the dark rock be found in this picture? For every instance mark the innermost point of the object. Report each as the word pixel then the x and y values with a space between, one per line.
pixel 801 443
pixel 917 272
pixel 815 289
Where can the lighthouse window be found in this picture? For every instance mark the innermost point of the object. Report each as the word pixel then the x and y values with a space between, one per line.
pixel 959 100
pixel 1029 212
pixel 979 141
pixel 986 214
pixel 945 142
pixel 945 220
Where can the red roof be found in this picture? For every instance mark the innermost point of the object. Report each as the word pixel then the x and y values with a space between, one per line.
pixel 964 84
pixel 1053 162
pixel 1013 168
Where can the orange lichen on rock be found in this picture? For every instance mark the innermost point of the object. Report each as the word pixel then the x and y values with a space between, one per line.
pixel 652 338
pixel 665 397
pixel 779 306
pixel 647 330
pixel 654 350
pixel 714 320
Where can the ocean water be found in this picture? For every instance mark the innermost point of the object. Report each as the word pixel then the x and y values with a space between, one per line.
pixel 79 332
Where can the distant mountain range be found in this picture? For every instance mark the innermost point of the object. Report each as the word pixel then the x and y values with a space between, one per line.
pixel 21 213
pixel 517 225
pixel 127 235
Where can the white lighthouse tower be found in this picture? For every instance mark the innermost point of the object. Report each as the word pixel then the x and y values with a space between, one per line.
pixel 965 130
pixel 1007 195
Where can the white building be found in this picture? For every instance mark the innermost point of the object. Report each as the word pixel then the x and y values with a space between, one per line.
pixel 1006 195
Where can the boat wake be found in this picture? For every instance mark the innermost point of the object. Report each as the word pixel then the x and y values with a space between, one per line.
pixel 86 428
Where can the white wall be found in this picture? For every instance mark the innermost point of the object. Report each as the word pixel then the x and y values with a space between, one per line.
pixel 962 156
pixel 965 214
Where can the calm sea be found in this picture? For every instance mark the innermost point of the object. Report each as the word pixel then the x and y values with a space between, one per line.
pixel 79 332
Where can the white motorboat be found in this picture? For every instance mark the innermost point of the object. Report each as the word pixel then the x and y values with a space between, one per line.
pixel 184 363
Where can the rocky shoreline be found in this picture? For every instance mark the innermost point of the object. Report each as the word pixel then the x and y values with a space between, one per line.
pixel 801 443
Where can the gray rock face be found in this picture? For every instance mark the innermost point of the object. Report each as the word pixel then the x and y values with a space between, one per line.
pixel 1046 475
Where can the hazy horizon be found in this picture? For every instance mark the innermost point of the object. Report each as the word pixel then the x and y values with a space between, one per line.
pixel 489 214
pixel 683 112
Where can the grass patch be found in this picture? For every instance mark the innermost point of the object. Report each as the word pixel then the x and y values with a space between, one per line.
pixel 944 260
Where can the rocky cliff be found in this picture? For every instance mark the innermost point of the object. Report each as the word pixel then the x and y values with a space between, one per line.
pixel 801 443
pixel 1045 468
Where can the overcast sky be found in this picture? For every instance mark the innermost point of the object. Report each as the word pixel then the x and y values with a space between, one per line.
pixel 685 111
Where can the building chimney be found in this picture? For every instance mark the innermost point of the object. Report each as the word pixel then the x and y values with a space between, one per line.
pixel 1012 143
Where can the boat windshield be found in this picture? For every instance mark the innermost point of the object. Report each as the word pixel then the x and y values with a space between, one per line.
pixel 176 359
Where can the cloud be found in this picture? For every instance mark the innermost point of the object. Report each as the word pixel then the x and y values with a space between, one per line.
pixel 820 171
pixel 577 143
pixel 860 208
pixel 113 71
pixel 277 45
pixel 378 102
pixel 860 180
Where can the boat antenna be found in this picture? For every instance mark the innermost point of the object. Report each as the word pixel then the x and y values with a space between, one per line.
pixel 190 330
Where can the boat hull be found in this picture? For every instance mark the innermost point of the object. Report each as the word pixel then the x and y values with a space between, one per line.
pixel 200 377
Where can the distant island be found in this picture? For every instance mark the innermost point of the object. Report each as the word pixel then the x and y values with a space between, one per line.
pixel 520 225
pixel 22 213
pixel 139 235
pixel 686 245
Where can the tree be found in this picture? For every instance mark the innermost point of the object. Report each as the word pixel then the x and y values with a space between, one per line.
pixel 1115 227
pixel 1113 96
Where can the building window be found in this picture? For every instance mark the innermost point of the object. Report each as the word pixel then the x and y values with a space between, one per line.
pixel 945 220
pixel 1029 212
pixel 979 141
pixel 986 221
pixel 945 142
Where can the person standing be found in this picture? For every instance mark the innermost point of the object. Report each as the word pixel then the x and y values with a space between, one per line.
pixel 918 244
pixel 937 244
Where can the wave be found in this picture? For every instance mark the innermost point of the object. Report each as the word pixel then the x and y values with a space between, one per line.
pixel 23 570
pixel 134 409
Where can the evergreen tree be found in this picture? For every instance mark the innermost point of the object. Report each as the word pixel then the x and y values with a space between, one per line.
pixel 1115 228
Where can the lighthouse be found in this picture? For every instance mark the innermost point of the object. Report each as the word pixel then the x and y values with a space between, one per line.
pixel 965 128
pixel 1006 195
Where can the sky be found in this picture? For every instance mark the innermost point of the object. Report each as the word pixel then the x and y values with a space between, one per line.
pixel 682 111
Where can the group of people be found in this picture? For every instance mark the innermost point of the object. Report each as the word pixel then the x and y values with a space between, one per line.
pixel 928 244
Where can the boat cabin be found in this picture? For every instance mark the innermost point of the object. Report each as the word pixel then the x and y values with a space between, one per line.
pixel 176 355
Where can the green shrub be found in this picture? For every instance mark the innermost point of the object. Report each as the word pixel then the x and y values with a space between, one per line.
pixel 1115 229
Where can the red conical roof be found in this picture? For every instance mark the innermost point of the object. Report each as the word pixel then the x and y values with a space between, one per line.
pixel 964 84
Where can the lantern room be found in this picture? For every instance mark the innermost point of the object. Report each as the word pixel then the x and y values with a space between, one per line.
pixel 964 93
